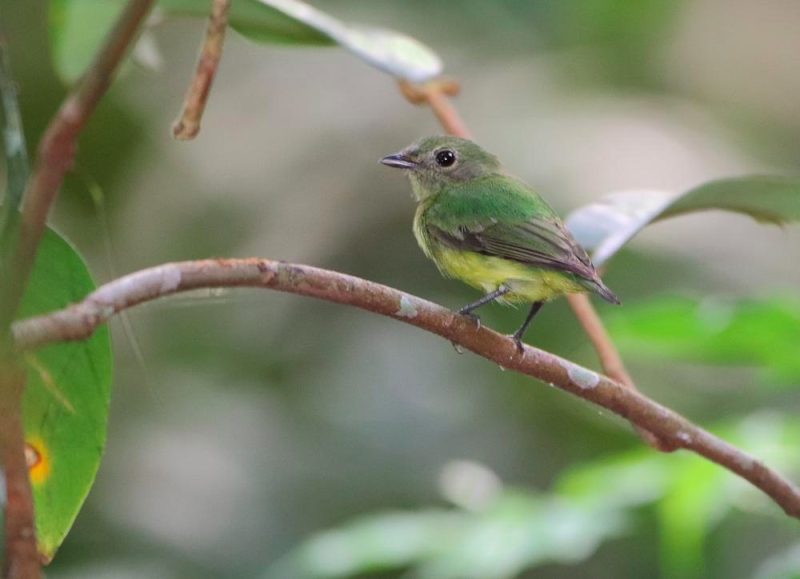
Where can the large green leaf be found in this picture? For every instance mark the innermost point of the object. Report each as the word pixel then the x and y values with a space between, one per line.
pixel 605 226
pixel 77 28
pixel 65 405
pixel 762 333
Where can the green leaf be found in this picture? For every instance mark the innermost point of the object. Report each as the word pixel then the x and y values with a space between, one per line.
pixel 759 333
pixel 65 405
pixel 605 226
pixel 254 20
pixel 392 52
pixel 77 28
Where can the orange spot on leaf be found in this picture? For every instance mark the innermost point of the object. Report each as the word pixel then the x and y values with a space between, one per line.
pixel 38 459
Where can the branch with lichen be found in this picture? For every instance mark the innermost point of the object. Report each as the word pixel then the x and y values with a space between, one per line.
pixel 80 320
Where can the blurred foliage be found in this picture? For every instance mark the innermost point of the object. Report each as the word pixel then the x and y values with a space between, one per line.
pixel 716 330
pixel 77 28
pixel 258 420
pixel 784 565
pixel 510 530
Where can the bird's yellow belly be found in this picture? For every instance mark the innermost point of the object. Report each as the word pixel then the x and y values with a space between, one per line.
pixel 528 284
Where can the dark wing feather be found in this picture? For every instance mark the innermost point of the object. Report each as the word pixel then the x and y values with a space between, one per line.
pixel 541 243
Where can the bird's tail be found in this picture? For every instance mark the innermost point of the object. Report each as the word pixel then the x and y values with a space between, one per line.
pixel 597 286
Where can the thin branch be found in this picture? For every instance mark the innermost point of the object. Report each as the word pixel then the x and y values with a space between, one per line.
pixel 57 151
pixel 79 321
pixel 436 95
pixel 188 123
pixel 21 559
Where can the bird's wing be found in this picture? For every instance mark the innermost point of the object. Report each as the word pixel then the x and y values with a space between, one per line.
pixel 502 217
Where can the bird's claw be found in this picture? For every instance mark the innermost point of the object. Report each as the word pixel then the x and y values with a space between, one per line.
pixel 457 348
pixel 475 318
pixel 518 341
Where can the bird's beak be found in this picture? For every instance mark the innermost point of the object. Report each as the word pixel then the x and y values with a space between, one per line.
pixel 399 160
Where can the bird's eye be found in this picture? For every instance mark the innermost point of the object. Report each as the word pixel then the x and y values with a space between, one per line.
pixel 445 158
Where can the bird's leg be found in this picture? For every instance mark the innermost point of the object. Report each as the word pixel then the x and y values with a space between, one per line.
pixel 467 309
pixel 517 336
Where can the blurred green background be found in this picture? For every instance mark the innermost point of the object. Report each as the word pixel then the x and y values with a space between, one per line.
pixel 270 435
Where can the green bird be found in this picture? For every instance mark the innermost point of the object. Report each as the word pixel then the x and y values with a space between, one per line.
pixel 489 229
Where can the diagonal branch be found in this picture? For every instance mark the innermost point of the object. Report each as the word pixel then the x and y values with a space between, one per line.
pixel 435 94
pixel 188 123
pixel 79 321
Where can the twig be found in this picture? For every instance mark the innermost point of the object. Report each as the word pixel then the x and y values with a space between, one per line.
pixel 21 559
pixel 435 94
pixel 80 320
pixel 188 123
pixel 57 151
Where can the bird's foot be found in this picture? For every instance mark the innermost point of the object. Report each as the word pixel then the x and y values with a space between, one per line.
pixel 476 319
pixel 457 348
pixel 518 341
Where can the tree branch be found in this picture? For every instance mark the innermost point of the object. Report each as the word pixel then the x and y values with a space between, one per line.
pixel 79 321
pixel 188 123
pixel 21 559
pixel 57 152
pixel 435 94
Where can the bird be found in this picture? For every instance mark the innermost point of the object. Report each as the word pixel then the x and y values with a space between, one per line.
pixel 489 229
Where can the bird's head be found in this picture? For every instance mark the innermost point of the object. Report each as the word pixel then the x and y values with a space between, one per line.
pixel 434 163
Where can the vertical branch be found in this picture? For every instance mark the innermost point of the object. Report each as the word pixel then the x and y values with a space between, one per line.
pixel 435 94
pixel 188 123
pixel 21 559
pixel 57 152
